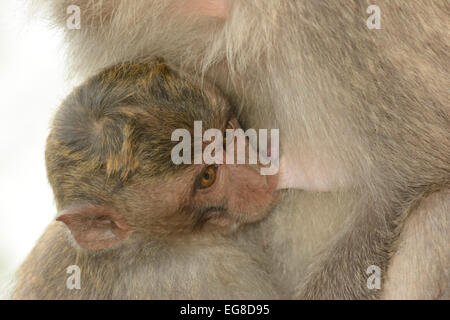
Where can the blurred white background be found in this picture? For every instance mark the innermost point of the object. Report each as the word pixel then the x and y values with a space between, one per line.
pixel 32 84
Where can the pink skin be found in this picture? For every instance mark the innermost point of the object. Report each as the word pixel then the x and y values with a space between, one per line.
pixel 306 174
pixel 253 193
pixel 246 193
pixel 101 228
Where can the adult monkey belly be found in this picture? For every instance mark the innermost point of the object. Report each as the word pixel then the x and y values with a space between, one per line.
pixel 363 117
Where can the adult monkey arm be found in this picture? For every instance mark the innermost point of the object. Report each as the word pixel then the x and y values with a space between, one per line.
pixel 368 108
pixel 425 239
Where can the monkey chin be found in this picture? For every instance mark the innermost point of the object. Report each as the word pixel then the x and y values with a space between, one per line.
pixel 230 221
pixel 270 194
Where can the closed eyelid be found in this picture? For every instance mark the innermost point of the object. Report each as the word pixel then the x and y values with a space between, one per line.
pixel 206 210
pixel 203 215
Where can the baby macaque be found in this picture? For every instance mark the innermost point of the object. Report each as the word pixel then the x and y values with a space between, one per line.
pixel 136 224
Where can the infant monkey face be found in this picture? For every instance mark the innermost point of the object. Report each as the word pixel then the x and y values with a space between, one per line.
pixel 205 197
pixel 228 194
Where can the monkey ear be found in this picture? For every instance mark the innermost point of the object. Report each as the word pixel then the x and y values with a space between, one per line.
pixel 95 227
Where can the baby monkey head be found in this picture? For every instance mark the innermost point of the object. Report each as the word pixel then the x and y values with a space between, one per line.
pixel 109 162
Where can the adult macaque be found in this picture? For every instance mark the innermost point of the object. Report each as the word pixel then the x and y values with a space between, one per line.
pixel 140 226
pixel 363 117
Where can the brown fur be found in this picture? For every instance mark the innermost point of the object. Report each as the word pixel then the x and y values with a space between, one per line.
pixel 370 105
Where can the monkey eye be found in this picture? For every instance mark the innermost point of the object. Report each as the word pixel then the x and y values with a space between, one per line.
pixel 228 126
pixel 208 177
